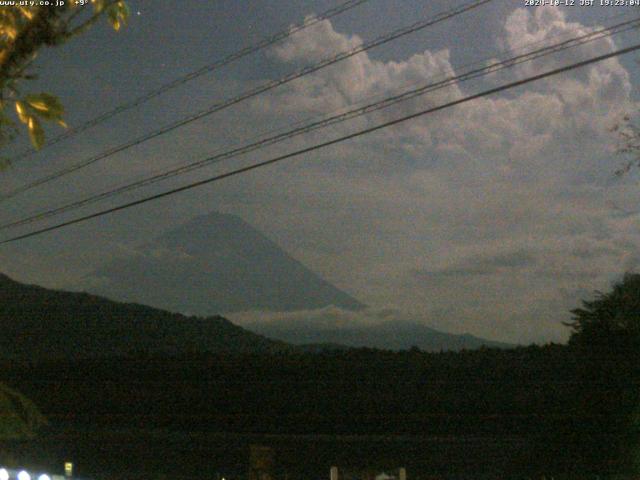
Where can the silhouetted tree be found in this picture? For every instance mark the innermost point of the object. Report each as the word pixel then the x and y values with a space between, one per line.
pixel 606 339
pixel 612 319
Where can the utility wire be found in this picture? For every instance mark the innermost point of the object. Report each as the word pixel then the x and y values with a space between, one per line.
pixel 250 94
pixel 319 146
pixel 526 47
pixel 339 118
pixel 262 44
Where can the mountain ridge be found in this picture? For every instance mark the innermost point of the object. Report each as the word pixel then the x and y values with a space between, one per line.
pixel 40 323
pixel 215 264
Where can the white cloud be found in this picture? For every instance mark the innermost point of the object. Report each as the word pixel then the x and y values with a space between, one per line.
pixel 355 79
pixel 328 318
pixel 521 174
pixel 387 216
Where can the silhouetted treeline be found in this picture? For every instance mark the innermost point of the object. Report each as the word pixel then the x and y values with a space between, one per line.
pixel 534 391
pixel 576 405
pixel 363 391
pixel 355 391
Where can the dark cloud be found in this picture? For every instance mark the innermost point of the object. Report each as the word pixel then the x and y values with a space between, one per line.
pixel 484 266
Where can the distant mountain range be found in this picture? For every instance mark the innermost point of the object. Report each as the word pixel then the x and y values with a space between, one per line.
pixel 38 323
pixel 389 335
pixel 215 264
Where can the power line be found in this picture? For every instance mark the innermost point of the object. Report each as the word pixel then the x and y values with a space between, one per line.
pixel 250 94
pixel 262 44
pixel 319 146
pixel 339 118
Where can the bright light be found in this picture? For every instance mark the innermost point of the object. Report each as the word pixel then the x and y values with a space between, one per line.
pixel 44 476
pixel 24 476
pixel 4 475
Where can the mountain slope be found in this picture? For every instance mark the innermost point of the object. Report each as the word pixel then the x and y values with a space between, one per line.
pixel 38 323
pixel 388 335
pixel 216 263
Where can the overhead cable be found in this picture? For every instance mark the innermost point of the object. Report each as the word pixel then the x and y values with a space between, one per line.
pixel 492 67
pixel 328 143
pixel 247 95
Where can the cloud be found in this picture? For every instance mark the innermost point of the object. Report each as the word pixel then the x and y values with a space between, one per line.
pixel 480 215
pixel 479 265
pixel 380 328
pixel 328 318
pixel 518 134
pixel 494 217
pixel 356 79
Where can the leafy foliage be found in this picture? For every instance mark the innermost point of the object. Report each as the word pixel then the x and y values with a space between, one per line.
pixel 628 132
pixel 606 337
pixel 19 417
pixel 612 319
pixel 24 30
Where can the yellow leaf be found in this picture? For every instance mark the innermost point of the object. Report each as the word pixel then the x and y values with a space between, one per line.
pixel 117 14
pixel 39 106
pixel 36 133
pixel 123 10
pixel 27 12
pixel 23 115
pixel 98 5
pixel 62 123
pixel 46 105
pixel 8 31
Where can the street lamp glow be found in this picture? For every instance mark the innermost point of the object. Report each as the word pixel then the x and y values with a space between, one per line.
pixel 23 475
pixel 44 476
pixel 4 475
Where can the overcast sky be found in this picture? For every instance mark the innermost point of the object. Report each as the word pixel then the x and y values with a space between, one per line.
pixel 492 218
